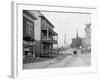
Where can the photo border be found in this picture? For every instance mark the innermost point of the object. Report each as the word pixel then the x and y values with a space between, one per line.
pixel 17 70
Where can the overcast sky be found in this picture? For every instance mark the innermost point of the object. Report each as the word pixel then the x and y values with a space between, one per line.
pixel 68 23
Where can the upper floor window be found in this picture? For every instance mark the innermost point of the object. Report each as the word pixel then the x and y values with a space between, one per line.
pixel 29 29
pixel 43 23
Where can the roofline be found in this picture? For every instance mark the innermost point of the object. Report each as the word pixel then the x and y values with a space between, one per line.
pixel 42 16
pixel 26 11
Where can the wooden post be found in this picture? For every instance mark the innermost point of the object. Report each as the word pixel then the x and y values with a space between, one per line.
pixel 47 34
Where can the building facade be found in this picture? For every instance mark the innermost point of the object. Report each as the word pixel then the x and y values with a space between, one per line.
pixel 38 34
pixel 88 38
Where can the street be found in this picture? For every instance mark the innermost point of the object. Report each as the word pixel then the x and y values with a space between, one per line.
pixel 67 61
pixel 72 61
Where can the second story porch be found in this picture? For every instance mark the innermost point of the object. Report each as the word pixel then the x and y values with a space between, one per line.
pixel 48 35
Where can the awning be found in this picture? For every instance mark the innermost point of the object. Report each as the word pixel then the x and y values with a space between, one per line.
pixel 28 39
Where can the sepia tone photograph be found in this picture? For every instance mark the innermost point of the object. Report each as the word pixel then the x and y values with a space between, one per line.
pixel 54 39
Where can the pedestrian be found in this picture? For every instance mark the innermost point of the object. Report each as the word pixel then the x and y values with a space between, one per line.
pixel 75 53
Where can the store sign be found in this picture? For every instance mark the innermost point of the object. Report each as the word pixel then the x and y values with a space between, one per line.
pixel 26 49
pixel 28 43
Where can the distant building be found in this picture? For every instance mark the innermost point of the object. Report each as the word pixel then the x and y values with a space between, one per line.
pixel 38 34
pixel 85 42
pixel 88 35
pixel 76 42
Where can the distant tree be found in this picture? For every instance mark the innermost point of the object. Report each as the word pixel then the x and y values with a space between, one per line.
pixel 87 25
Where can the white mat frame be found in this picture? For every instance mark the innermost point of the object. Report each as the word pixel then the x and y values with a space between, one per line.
pixel 17 68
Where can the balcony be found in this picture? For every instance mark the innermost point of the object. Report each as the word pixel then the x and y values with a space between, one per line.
pixel 49 35
pixel 49 39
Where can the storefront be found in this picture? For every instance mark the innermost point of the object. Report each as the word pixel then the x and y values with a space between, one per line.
pixel 28 49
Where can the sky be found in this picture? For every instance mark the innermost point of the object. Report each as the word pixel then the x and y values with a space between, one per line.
pixel 68 23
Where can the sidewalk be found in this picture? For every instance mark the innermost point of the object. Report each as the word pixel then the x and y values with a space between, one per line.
pixel 42 62
pixel 37 65
pixel 35 59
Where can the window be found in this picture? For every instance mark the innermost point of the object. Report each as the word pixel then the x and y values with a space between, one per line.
pixel 29 29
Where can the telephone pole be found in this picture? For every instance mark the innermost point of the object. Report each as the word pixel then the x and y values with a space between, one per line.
pixel 65 42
